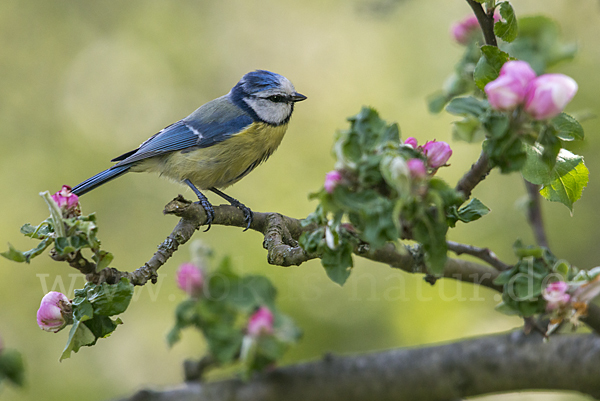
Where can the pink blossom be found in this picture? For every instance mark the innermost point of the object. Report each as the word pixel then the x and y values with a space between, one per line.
pixel 508 90
pixel 437 153
pixel 555 295
pixel 464 30
pixel 67 202
pixel 190 279
pixel 261 322
pixel 417 168
pixel 548 94
pixel 54 312
pixel 332 179
pixel 411 141
pixel 65 199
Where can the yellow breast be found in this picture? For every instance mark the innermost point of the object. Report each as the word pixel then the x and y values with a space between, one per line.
pixel 222 164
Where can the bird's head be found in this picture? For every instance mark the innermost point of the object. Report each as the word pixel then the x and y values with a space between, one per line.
pixel 268 96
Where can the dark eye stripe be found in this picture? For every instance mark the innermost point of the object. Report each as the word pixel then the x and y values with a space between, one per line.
pixel 279 99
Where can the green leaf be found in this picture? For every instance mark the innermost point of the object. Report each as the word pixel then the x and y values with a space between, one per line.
pixel 474 210
pixel 567 127
pixel 102 326
pixel 506 309
pixel 102 259
pixel 11 367
pixel 539 43
pixel 507 31
pixel 14 254
pixel 488 66
pixel 505 276
pixel 436 102
pixel 32 253
pixel 252 291
pixel 82 309
pixel 468 130
pixel 469 105
pixel 79 336
pixel 39 232
pixel 538 172
pixel 431 233
pixel 562 183
pixel 523 251
pixel 338 262
pixel 18 256
pixel 568 185
pixel 110 299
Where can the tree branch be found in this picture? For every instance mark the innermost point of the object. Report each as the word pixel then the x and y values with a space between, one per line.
pixel 534 214
pixel 479 170
pixel 486 22
pixel 500 363
pixel 281 236
pixel 484 254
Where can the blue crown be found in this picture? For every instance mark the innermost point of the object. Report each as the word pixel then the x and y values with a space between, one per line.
pixel 259 80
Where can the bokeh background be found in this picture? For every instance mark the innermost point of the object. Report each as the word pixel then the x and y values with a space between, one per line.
pixel 84 81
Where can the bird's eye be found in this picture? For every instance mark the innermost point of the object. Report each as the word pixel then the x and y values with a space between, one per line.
pixel 277 98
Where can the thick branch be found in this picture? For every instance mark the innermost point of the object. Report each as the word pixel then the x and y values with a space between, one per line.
pixel 499 363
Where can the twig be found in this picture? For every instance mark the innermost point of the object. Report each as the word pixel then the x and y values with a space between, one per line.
pixel 484 254
pixel 534 214
pixel 474 176
pixel 499 363
pixel 486 22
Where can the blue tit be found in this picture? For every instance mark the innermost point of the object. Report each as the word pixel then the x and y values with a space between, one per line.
pixel 218 144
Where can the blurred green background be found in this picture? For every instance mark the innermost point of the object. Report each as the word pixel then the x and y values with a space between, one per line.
pixel 84 81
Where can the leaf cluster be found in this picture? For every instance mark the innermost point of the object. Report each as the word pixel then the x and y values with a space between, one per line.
pixel 92 307
pixel 80 233
pixel 378 201
pixel 221 314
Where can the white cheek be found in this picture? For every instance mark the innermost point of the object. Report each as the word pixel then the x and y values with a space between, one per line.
pixel 274 113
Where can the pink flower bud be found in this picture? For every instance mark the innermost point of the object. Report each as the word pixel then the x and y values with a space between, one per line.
pixel 466 29
pixel 55 312
pixel 190 279
pixel 462 31
pixel 417 168
pixel 437 153
pixel 332 179
pixel 548 94
pixel 411 141
pixel 67 201
pixel 261 322
pixel 555 295
pixel 508 90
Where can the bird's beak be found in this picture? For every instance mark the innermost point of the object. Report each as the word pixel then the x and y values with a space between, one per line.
pixel 298 97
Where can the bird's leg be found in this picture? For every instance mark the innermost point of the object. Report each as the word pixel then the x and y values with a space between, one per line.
pixel 203 201
pixel 238 204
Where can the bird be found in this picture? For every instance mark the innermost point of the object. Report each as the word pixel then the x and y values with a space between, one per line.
pixel 218 144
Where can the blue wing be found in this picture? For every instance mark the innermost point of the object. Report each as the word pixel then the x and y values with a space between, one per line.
pixel 212 123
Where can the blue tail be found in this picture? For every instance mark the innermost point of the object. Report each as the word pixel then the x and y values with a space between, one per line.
pixel 99 179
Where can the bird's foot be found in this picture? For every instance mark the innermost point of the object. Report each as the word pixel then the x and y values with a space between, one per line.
pixel 210 212
pixel 202 201
pixel 248 215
